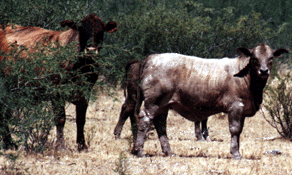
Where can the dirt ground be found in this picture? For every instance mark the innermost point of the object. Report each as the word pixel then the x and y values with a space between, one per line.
pixel 109 156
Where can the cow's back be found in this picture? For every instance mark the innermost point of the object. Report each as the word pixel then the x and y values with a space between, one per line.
pixel 31 36
pixel 188 72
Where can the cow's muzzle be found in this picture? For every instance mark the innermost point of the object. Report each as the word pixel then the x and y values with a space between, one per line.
pixel 264 73
pixel 92 49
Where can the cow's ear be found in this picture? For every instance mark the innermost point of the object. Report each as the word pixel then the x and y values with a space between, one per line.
pixel 69 23
pixel 279 52
pixel 111 27
pixel 244 51
pixel 243 72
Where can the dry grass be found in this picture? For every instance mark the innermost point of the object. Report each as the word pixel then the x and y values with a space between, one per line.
pixel 192 157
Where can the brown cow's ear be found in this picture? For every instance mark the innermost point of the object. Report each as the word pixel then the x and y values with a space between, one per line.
pixel 69 23
pixel 111 27
pixel 278 53
pixel 244 51
pixel 243 72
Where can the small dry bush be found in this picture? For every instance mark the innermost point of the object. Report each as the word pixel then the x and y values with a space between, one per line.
pixel 278 103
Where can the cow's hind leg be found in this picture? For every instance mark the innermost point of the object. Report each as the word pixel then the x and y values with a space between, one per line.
pixel 205 132
pixel 198 131
pixel 201 130
pixel 160 126
pixel 81 108
pixel 126 111
pixel 60 119
pixel 134 125
pixel 5 134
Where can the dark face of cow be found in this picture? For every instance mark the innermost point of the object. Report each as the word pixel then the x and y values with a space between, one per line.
pixel 261 60
pixel 91 27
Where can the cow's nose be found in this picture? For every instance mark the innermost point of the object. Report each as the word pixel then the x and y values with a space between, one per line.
pixel 264 71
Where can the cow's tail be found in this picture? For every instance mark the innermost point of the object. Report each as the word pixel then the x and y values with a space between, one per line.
pixel 140 95
pixel 125 78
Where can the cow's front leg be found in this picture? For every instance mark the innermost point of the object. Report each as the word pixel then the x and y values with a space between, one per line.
pixel 60 119
pixel 160 126
pixel 236 122
pixel 81 108
pixel 143 128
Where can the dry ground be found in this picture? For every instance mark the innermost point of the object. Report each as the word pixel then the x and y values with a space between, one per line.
pixel 192 157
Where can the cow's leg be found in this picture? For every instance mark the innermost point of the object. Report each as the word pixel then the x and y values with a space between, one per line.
pixel 134 124
pixel 236 122
pixel 81 108
pixel 205 132
pixel 143 128
pixel 198 131
pixel 160 126
pixel 201 130
pixel 60 119
pixel 5 134
pixel 126 111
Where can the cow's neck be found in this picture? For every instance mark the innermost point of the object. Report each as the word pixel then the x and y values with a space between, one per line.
pixel 257 85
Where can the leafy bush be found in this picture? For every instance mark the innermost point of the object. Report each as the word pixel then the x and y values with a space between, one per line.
pixel 278 103
pixel 30 83
pixel 187 28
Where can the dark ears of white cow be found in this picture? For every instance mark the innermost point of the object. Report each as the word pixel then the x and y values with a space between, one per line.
pixel 279 52
pixel 244 51
pixel 243 72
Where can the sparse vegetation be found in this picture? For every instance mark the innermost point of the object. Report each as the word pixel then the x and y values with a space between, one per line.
pixel 122 164
pixel 192 157
pixel 278 103
pixel 90 133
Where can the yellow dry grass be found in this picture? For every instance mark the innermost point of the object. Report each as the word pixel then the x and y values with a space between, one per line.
pixel 192 157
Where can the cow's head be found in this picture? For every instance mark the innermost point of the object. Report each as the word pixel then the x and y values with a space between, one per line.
pixel 260 60
pixel 91 27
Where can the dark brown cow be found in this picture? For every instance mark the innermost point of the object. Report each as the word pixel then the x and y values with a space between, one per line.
pixel 197 88
pixel 91 27
pixel 132 73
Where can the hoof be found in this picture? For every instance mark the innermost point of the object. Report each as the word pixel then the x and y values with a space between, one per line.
pixel 237 157
pixel 138 153
pixel 60 146
pixel 81 147
pixel 117 137
pixel 208 139
pixel 171 154
pixel 201 140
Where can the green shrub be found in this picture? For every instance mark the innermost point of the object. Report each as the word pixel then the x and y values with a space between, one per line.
pixel 30 83
pixel 187 28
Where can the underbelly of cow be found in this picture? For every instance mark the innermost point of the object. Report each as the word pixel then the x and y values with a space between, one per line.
pixel 198 113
